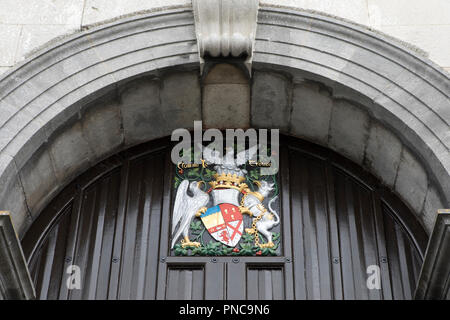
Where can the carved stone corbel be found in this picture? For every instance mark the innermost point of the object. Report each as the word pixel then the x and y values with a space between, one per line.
pixel 225 28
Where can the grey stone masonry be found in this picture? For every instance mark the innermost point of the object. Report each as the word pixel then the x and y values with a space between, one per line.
pixel 383 153
pixel 349 128
pixel 226 98
pixel 271 106
pixel 394 120
pixel 311 112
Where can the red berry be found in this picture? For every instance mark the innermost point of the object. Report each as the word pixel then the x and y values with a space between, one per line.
pixel 235 250
pixel 259 253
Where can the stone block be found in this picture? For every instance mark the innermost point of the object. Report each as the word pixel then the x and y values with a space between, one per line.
pixel 12 197
pixel 225 73
pixel 433 203
pixel 226 106
pixel 180 100
pixel 102 128
pixel 70 152
pixel 412 181
pixel 270 101
pixel 38 180
pixel 58 115
pixel 311 112
pixel 142 116
pixel 383 153
pixel 349 129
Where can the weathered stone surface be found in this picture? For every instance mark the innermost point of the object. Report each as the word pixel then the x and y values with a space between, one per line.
pixel 180 100
pixel 4 69
pixel 383 153
pixel 38 180
pixel 16 203
pixel 433 203
pixel 59 88
pixel 399 19
pixel 100 10
pixel 270 101
pixel 412 181
pixel 70 152
pixel 421 92
pixel 225 73
pixel 141 113
pixel 349 127
pixel 428 37
pixel 311 112
pixel 415 128
pixel 41 12
pixel 414 96
pixel 102 128
pixel 27 141
pixel 226 98
pixel 34 36
pixel 9 38
pixel 12 197
pixel 11 128
pixel 151 108
pixel 226 106
pixel 355 10
pixel 385 12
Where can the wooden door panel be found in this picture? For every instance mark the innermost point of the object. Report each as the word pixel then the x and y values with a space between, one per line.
pixel 186 283
pixel 265 283
pixel 114 223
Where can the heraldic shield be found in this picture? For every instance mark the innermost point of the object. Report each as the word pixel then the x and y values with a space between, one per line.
pixel 224 223
pixel 225 207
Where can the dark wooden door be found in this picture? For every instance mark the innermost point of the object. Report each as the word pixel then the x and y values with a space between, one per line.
pixel 114 221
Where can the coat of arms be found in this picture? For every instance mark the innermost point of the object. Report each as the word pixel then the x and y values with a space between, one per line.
pixel 224 207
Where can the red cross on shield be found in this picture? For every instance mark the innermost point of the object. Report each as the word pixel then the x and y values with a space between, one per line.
pixel 224 223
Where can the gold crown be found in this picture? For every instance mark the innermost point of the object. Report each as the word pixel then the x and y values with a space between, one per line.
pixel 228 181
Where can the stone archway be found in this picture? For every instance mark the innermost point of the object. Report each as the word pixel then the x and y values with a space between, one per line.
pixel 370 88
